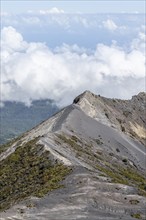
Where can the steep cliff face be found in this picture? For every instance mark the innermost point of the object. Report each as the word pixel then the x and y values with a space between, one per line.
pixel 128 116
pixel 85 162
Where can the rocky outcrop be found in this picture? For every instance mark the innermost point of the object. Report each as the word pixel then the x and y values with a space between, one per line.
pixel 128 116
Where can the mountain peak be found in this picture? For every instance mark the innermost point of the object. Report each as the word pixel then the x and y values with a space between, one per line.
pixel 86 94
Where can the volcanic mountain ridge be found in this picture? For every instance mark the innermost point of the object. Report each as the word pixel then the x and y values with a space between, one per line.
pixel 88 161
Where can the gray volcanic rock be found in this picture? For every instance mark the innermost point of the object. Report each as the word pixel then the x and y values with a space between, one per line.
pixel 102 141
pixel 125 115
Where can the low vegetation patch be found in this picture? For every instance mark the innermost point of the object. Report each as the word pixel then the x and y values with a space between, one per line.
pixel 72 141
pixel 98 141
pixel 29 172
pixel 137 215
pixel 121 173
pixel 4 147
pixel 124 175
pixel 82 150
pixel 134 201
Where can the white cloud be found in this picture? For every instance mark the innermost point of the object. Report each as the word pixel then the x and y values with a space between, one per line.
pixel 74 23
pixel 52 11
pixel 31 20
pixel 81 19
pixel 119 62
pixel 139 43
pixel 110 25
pixel 32 70
pixel 61 21
pixel 12 40
pixel 71 48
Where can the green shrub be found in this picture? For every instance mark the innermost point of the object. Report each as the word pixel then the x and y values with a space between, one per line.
pixel 134 201
pixel 98 141
pixel 137 215
pixel 29 172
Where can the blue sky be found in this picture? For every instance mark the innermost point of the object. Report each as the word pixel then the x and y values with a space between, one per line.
pixel 76 6
pixel 58 49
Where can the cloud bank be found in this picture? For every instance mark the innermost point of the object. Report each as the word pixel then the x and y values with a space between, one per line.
pixel 31 70
pixel 52 11
pixel 85 30
pixel 110 25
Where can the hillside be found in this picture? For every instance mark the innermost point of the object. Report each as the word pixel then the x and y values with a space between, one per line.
pixel 88 161
pixel 16 118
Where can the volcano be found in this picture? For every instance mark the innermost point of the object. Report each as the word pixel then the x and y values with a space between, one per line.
pixel 88 161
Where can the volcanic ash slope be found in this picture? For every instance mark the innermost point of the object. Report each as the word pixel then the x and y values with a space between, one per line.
pixel 88 161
